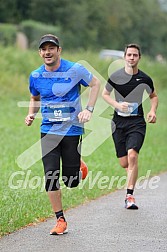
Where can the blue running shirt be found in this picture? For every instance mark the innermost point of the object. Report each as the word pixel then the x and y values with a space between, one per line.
pixel 60 97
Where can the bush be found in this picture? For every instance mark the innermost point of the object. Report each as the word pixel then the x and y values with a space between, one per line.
pixel 34 30
pixel 8 34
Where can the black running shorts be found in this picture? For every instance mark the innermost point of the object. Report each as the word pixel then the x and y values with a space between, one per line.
pixel 58 150
pixel 128 133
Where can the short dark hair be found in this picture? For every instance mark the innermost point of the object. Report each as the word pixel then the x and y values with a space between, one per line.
pixel 132 45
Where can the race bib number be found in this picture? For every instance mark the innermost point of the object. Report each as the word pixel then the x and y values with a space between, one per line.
pixel 58 113
pixel 132 110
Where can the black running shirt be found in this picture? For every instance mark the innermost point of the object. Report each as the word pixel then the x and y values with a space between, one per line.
pixel 130 88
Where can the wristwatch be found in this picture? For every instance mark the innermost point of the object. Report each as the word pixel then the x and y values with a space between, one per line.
pixel 90 108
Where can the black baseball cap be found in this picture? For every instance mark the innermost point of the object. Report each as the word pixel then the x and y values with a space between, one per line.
pixel 49 38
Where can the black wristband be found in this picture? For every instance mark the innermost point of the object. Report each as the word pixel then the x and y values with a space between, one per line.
pixel 90 108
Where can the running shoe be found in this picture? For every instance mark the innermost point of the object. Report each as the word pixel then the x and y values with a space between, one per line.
pixel 60 227
pixel 130 202
pixel 83 169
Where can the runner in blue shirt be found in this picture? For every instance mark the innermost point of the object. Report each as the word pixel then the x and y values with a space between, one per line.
pixel 55 88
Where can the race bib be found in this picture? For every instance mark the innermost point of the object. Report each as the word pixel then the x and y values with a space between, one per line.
pixel 132 110
pixel 58 113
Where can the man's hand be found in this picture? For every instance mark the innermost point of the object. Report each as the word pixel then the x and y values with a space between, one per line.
pixel 123 106
pixel 151 117
pixel 84 116
pixel 29 119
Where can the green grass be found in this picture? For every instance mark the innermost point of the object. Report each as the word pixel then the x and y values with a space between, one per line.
pixel 25 205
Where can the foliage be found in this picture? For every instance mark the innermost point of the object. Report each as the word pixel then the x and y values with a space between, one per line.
pixel 14 11
pixel 93 24
pixel 34 30
pixel 7 34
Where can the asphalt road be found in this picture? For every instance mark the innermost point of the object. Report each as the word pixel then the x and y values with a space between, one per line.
pixel 102 225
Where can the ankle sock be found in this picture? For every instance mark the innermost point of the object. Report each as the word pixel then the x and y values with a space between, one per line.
pixel 59 214
pixel 130 191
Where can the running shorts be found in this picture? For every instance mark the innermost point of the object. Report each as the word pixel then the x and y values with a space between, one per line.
pixel 128 133
pixel 60 150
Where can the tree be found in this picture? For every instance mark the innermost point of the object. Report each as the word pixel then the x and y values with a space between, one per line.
pixel 96 24
pixel 14 11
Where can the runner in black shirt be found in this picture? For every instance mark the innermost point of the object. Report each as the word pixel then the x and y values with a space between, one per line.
pixel 128 124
